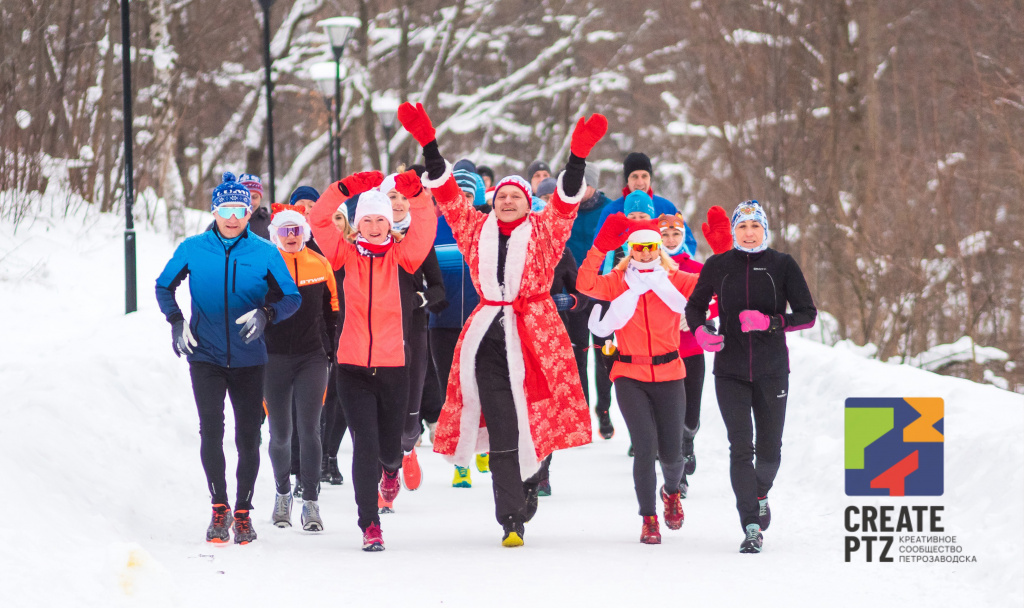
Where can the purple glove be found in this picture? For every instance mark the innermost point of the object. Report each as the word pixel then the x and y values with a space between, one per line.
pixel 752 320
pixel 708 339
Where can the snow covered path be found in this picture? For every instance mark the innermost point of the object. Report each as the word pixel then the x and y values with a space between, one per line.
pixel 99 444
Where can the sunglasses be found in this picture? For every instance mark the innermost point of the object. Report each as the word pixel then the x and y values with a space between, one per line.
pixel 640 247
pixel 229 212
pixel 286 231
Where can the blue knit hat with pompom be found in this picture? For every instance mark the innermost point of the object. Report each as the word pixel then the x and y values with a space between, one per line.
pixel 230 190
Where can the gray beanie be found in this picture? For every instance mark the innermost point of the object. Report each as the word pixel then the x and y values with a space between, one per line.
pixel 535 166
pixel 591 174
pixel 546 186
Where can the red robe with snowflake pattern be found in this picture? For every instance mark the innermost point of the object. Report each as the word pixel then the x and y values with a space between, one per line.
pixel 551 410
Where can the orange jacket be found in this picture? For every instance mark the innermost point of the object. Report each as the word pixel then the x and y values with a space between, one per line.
pixel 304 331
pixel 652 330
pixel 372 336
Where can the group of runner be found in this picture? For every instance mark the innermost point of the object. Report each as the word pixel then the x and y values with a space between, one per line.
pixel 440 296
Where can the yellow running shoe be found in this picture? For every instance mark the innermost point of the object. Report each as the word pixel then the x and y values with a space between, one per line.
pixel 514 533
pixel 483 462
pixel 461 479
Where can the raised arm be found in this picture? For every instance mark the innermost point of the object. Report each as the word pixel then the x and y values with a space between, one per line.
pixel 608 286
pixel 336 249
pixel 419 240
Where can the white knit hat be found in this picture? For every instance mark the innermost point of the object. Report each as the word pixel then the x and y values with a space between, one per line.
pixel 288 217
pixel 373 202
pixel 645 235
pixel 388 184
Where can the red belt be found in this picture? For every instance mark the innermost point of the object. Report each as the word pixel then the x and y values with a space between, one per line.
pixel 536 385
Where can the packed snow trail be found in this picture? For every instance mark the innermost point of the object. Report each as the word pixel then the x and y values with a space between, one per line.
pixel 100 445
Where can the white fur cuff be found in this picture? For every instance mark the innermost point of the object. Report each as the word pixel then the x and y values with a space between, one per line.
pixel 436 183
pixel 565 198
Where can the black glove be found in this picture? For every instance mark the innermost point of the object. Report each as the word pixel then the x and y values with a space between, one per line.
pixel 438 306
pixel 253 323
pixel 181 338
pixel 433 160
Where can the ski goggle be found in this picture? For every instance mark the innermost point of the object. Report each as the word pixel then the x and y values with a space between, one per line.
pixel 286 231
pixel 640 247
pixel 229 212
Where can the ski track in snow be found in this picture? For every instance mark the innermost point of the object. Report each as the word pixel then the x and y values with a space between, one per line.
pixel 100 439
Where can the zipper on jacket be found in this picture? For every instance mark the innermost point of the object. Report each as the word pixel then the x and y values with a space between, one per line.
pixel 750 336
pixel 234 275
pixel 369 317
pixel 650 348
pixel 227 318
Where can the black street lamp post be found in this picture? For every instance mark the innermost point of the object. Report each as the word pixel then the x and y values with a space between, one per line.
pixel 130 295
pixel 324 75
pixel 338 30
pixel 386 109
pixel 266 4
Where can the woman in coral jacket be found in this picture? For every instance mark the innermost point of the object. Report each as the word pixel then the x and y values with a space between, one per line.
pixel 673 235
pixel 297 368
pixel 753 284
pixel 514 363
pixel 646 291
pixel 371 355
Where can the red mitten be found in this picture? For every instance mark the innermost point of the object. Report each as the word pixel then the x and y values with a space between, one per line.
pixel 587 133
pixel 357 183
pixel 408 184
pixel 614 233
pixel 416 122
pixel 717 230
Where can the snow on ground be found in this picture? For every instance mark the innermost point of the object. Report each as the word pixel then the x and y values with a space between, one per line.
pixel 107 505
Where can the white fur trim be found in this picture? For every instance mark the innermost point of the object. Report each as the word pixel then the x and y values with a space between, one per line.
pixel 284 218
pixel 437 183
pixel 472 438
pixel 565 198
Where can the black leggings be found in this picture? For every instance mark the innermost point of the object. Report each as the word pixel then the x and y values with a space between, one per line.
pixel 332 423
pixel 295 382
pixel 442 350
pixel 244 385
pixel 374 407
pixel 416 354
pixel 694 384
pixel 579 335
pixel 654 413
pixel 499 410
pixel 766 398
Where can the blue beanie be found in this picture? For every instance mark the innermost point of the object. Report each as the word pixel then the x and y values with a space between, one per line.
pixel 639 201
pixel 304 193
pixel 471 182
pixel 230 190
pixel 465 164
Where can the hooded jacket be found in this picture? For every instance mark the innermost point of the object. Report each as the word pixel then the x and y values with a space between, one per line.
pixel 661 206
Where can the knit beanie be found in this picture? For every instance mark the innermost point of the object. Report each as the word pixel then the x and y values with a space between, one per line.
pixel 485 171
pixel 304 193
pixel 515 181
pixel 636 161
pixel 230 191
pixel 252 182
pixel 546 186
pixel 535 166
pixel 373 202
pixel 591 175
pixel 464 164
pixel 750 210
pixel 638 201
pixel 388 184
pixel 284 218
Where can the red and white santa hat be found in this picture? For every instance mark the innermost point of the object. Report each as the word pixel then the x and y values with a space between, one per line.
pixel 645 231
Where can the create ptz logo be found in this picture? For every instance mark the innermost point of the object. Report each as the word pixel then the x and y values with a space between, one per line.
pixel 894 446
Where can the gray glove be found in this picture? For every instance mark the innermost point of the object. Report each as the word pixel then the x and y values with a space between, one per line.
pixel 182 338
pixel 253 323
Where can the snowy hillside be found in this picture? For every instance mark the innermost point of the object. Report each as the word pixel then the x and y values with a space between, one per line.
pixel 106 502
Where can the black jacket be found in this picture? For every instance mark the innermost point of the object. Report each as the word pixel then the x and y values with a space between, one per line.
pixel 763 281
pixel 426 280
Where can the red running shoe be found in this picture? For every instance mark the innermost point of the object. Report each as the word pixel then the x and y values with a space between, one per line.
pixel 650 534
pixel 389 486
pixel 673 509
pixel 411 473
pixel 373 540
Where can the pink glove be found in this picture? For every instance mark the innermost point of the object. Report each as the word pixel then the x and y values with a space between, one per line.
pixel 752 320
pixel 708 339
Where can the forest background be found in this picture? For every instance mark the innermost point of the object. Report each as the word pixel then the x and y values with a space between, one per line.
pixel 886 139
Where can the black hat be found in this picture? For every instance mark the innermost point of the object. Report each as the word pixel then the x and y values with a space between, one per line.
pixel 485 171
pixel 636 161
pixel 535 166
pixel 465 164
